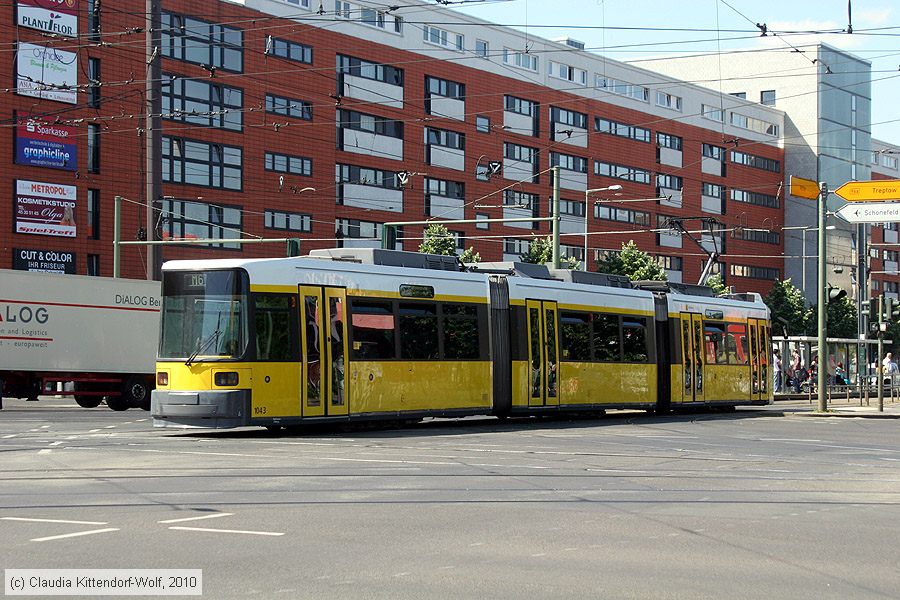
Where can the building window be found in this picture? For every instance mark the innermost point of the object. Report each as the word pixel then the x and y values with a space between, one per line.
pixel 520 153
pixel 93 148
pixel 712 113
pixel 520 106
pixel 523 60
pixel 741 95
pixel 93 12
pixel 711 151
pixel 366 69
pixel 757 162
pixel 482 217
pixel 517 199
pixel 288 221
pixel 441 187
pixel 568 162
pixel 442 37
pixel 667 140
pixel 300 3
pixel 621 172
pixel 283 163
pixel 567 73
pixel 632 132
pixel 755 198
pixel 93 265
pixel 767 97
pixel 766 273
pixel 209 45
pixel 889 161
pixel 622 88
pixel 187 219
pixel 289 50
pixel 751 124
pixel 354 175
pixel 201 102
pixel 360 230
pixel 621 215
pixel 568 117
pixel 201 163
pixel 435 86
pixel 714 190
pixel 482 124
pixel 669 182
pixel 515 246
pixel 669 101
pixel 445 139
pixel 93 214
pixel 350 119
pixel 289 107
pixel 756 235
pixel 482 48
pixel 94 82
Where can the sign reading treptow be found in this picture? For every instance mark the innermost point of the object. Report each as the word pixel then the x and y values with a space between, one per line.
pixel 42 144
pixel 870 191
pixel 870 212
pixel 53 16
pixel 45 208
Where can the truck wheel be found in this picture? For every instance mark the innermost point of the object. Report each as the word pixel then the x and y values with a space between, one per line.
pixel 88 401
pixel 136 393
pixel 116 403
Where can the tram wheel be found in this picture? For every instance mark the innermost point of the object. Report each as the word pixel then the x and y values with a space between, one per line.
pixel 88 401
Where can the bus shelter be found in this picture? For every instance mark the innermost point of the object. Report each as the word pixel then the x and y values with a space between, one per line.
pixel 858 357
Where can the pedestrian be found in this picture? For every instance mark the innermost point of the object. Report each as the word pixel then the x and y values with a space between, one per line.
pixel 840 377
pixel 796 370
pixel 776 371
pixel 888 364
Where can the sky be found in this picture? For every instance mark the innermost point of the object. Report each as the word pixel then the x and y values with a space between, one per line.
pixel 726 25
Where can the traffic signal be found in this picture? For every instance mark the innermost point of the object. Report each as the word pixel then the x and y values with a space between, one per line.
pixel 835 294
pixel 891 309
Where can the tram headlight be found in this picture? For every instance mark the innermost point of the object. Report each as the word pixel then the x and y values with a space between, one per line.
pixel 162 379
pixel 226 379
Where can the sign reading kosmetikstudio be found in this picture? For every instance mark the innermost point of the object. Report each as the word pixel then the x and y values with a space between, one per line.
pixel 42 144
pixel 53 16
pixel 45 72
pixel 45 208
pixel 45 261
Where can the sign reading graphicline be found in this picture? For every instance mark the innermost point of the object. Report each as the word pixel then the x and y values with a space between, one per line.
pixel 870 212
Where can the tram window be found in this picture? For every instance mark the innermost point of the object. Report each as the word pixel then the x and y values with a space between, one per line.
pixel 418 331
pixel 460 329
pixel 273 327
pixel 607 347
pixel 576 336
pixel 714 338
pixel 373 330
pixel 736 344
pixel 634 339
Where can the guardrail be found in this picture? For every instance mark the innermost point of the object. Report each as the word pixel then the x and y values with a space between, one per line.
pixel 864 392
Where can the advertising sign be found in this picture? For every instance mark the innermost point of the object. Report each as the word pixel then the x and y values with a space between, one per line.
pixel 44 261
pixel 53 16
pixel 45 208
pixel 45 72
pixel 870 191
pixel 41 144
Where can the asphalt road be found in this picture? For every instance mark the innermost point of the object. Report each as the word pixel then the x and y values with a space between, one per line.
pixel 753 504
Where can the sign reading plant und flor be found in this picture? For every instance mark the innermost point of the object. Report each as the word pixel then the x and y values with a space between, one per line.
pixel 53 16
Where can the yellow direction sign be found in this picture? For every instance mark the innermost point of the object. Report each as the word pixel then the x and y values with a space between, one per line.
pixel 870 191
pixel 804 188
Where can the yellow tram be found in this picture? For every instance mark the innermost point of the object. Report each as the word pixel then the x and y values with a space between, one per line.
pixel 363 334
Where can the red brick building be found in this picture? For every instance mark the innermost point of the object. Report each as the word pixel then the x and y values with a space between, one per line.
pixel 281 119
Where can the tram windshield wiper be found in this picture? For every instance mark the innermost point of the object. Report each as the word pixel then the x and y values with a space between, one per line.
pixel 212 337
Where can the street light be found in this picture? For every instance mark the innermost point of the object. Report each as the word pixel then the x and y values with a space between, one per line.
pixel 586 213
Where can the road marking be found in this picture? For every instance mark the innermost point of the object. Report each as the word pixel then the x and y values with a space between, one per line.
pixel 45 451
pixel 272 533
pixel 30 520
pixel 11 435
pixel 56 443
pixel 197 518
pixel 110 427
pixel 71 535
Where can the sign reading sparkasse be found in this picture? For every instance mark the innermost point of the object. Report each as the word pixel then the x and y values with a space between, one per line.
pixel 870 191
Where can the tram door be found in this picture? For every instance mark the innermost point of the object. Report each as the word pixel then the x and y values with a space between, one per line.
pixel 692 357
pixel 323 312
pixel 543 353
pixel 759 359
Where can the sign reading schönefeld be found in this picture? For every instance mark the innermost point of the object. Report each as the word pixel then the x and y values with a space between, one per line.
pixel 45 208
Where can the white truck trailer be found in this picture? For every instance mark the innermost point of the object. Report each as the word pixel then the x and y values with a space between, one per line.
pixel 95 335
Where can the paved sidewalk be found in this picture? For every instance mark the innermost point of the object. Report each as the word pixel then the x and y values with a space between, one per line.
pixel 838 407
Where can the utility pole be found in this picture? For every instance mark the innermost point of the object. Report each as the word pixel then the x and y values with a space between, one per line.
pixel 822 365
pixel 879 366
pixel 153 133
pixel 554 173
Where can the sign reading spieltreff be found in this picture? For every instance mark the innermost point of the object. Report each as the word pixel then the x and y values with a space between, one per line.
pixel 42 144
pixel 53 16
pixel 45 208
pixel 45 72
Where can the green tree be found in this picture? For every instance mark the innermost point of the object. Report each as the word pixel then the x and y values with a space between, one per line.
pixel 717 284
pixel 540 251
pixel 841 317
pixel 789 311
pixel 633 262
pixel 437 240
pixel 470 256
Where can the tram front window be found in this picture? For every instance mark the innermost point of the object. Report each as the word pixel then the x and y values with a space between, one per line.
pixel 204 314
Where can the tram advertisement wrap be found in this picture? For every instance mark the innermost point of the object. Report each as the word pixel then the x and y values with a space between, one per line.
pixel 45 208
pixel 41 144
